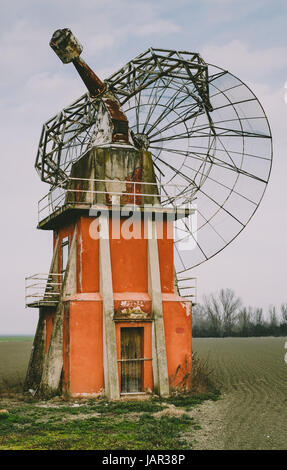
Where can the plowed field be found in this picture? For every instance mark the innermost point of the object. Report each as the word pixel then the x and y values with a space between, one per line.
pixel 252 376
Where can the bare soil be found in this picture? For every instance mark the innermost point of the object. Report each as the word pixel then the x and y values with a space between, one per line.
pixel 252 411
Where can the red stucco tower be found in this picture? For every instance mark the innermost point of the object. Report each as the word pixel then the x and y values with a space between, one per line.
pixel 110 320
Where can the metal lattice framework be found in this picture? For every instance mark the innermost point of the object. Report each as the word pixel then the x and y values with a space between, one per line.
pixel 147 68
pixel 64 139
pixel 206 130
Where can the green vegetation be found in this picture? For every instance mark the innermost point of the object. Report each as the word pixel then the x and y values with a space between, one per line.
pixel 187 402
pixel 149 424
pixel 152 423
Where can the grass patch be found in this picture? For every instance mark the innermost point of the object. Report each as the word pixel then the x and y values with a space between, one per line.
pixel 122 407
pixel 90 423
pixel 98 425
pixel 188 401
pixel 23 429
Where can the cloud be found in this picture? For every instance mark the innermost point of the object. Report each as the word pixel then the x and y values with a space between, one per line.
pixel 159 27
pixel 246 61
pixel 101 41
pixel 24 43
pixel 141 27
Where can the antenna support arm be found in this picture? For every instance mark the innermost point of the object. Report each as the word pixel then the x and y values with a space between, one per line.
pixel 68 49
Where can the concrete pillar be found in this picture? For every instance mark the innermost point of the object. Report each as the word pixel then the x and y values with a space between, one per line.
pixel 109 330
pixel 37 358
pixel 160 371
pixel 53 364
pixel 36 362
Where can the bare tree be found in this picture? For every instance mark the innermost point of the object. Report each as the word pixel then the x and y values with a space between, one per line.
pixel 244 320
pixel 221 311
pixel 198 320
pixel 273 323
pixel 283 309
pixel 230 306
pixel 223 315
pixel 213 314
pixel 258 317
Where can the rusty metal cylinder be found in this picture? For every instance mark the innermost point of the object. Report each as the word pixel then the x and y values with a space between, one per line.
pixel 66 45
pixel 68 49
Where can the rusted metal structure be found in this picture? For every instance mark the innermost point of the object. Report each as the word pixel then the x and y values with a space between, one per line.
pixel 165 132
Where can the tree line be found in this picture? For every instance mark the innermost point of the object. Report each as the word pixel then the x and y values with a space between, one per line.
pixel 223 314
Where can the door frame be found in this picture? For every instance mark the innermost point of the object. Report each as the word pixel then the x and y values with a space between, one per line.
pixel 147 376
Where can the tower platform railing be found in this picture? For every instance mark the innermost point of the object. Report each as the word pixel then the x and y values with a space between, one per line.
pixel 187 287
pixel 86 192
pixel 42 289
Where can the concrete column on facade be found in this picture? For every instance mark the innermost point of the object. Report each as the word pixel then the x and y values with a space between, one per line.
pixel 109 330
pixel 160 371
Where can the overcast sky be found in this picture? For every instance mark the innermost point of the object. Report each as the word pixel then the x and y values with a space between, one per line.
pixel 246 37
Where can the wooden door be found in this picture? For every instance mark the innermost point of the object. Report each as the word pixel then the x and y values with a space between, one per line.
pixel 131 359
